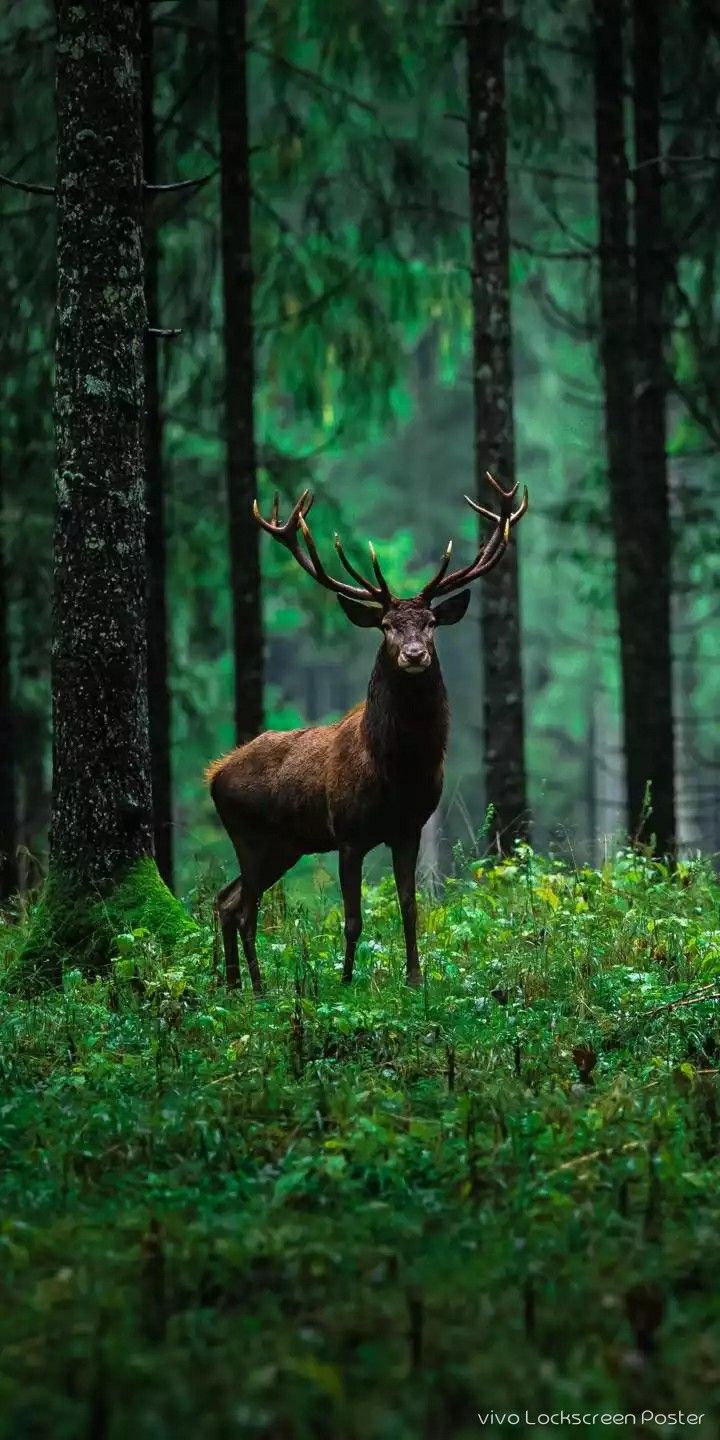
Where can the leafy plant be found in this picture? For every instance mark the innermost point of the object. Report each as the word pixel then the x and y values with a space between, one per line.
pixel 365 1212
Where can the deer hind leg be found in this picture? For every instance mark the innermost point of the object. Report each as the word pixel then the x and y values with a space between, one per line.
pixel 351 885
pixel 404 855
pixel 247 923
pixel 260 870
pixel 226 906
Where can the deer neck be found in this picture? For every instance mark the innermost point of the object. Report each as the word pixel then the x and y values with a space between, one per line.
pixel 406 716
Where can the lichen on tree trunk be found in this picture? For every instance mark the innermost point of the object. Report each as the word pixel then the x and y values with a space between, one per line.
pixel 504 738
pixel 101 841
pixel 101 808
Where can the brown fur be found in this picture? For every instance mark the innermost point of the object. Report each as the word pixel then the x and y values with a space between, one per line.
pixel 353 781
pixel 374 777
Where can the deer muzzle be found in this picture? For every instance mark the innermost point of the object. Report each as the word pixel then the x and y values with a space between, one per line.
pixel 414 659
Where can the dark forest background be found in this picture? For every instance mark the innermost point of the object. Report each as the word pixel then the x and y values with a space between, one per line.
pixel 355 174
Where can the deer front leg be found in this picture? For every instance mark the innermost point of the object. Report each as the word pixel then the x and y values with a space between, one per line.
pixel 404 855
pixel 351 885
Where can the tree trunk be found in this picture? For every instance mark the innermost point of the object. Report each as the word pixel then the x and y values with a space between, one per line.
pixel 505 780
pixel 33 800
pixel 616 354
pixel 239 368
pixel 102 805
pixel 653 662
pixel 157 616
pixel 8 792
pixel 591 795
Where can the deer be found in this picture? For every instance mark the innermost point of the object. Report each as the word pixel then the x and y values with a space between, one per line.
pixel 372 778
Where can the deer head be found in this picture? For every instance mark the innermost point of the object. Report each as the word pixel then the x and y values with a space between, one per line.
pixel 408 625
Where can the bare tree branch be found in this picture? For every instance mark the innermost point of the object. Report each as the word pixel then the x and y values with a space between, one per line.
pixel 181 184
pixel 27 187
pixel 553 254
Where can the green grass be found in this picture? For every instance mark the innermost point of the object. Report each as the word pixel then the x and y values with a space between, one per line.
pixel 371 1214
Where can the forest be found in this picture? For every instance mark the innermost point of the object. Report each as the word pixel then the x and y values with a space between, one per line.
pixel 415 262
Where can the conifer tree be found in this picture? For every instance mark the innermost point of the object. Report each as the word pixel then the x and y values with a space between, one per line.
pixel 237 263
pixel 494 445
pixel 101 805
pixel 651 762
pixel 158 659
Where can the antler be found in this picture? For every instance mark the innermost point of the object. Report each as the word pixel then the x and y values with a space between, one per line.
pixel 491 552
pixel 287 534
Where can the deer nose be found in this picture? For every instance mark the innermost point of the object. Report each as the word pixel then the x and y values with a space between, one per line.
pixel 414 655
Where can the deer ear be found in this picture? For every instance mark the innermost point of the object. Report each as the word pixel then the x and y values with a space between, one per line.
pixel 448 612
pixel 362 612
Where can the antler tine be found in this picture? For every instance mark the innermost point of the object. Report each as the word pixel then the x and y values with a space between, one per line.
pixel 356 574
pixel 480 509
pixel 382 582
pixel 309 559
pixel 266 524
pixel 505 494
pixel 313 552
pixel 429 590
pixel 496 544
pixel 300 509
pixel 286 531
pixel 506 499
pixel 513 516
pixel 522 507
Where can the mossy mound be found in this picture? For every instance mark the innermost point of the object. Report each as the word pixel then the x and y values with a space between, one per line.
pixel 71 927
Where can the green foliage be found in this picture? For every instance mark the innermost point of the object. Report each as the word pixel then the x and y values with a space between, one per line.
pixel 362 311
pixel 372 1213
pixel 69 928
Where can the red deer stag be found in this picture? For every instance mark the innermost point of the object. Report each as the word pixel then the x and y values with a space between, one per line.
pixel 373 777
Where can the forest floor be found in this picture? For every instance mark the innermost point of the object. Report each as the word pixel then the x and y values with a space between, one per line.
pixel 373 1214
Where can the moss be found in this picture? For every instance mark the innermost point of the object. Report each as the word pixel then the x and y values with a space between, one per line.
pixel 71 927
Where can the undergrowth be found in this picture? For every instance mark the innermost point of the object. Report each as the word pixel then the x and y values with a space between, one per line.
pixel 68 925
pixel 371 1213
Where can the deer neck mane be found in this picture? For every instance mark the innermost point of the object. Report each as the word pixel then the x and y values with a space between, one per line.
pixel 406 716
